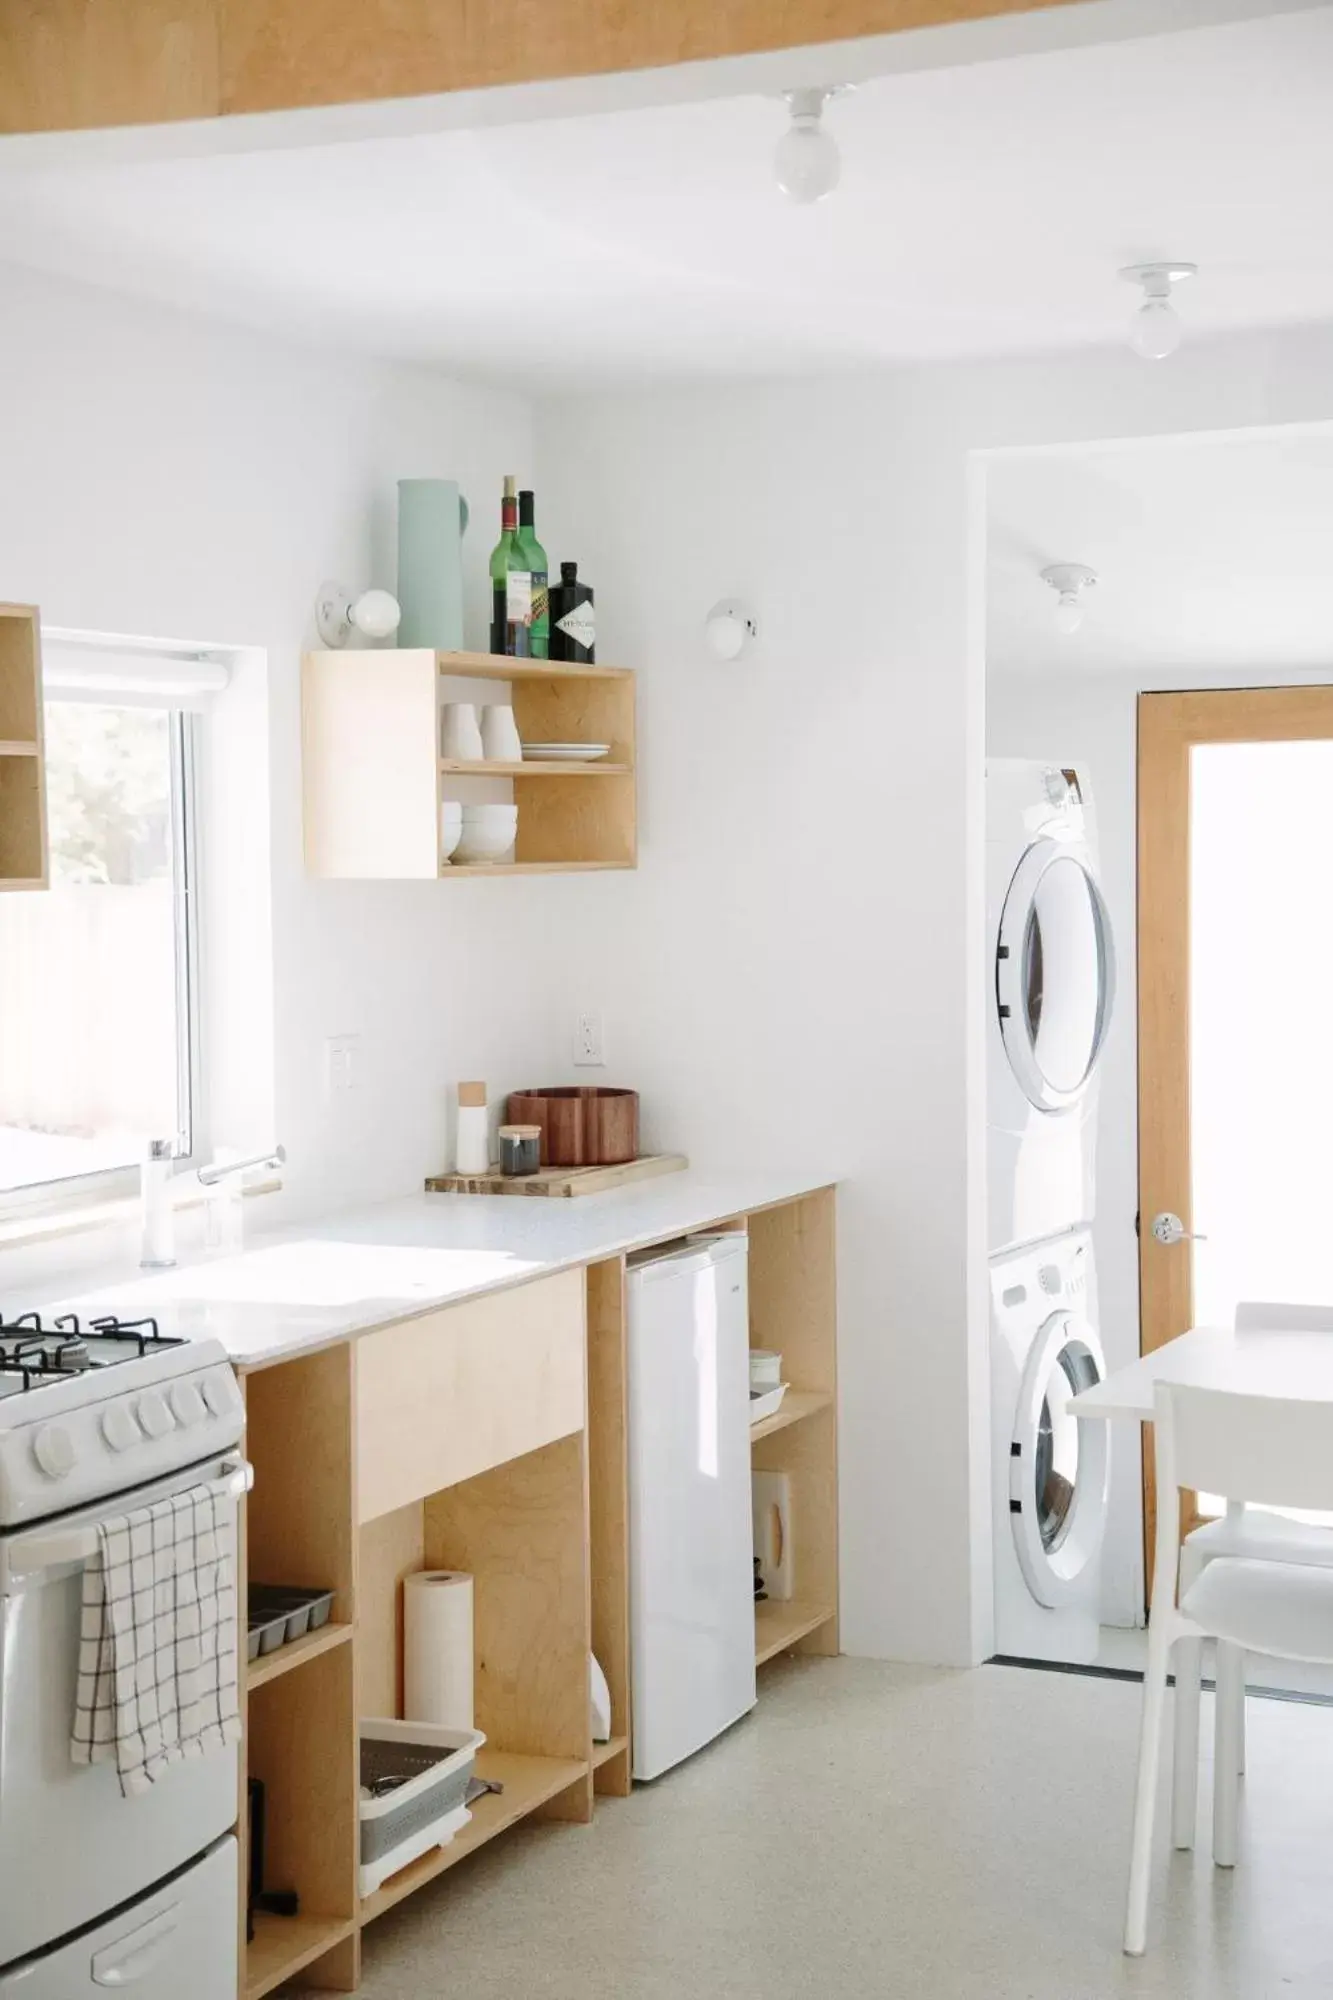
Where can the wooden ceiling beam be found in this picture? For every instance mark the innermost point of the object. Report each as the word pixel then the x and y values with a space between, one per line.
pixel 75 64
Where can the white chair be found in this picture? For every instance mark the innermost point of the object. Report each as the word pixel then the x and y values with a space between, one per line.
pixel 1249 1448
pixel 1241 1532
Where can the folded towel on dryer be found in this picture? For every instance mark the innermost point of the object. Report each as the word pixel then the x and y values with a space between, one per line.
pixel 157 1678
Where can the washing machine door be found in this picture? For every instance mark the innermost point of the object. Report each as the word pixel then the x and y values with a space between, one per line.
pixel 1058 1462
pixel 1054 974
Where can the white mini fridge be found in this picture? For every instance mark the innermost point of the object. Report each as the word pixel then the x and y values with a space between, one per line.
pixel 690 1538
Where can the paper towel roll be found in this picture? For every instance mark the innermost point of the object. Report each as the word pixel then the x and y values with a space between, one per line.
pixel 437 1648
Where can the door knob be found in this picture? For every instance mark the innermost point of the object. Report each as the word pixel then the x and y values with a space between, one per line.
pixel 1169 1229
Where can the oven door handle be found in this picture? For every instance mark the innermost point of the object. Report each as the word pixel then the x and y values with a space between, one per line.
pixel 80 1545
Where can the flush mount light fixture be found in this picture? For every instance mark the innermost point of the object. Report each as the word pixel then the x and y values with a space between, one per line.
pixel 1069 581
pixel 729 628
pixel 1157 330
pixel 340 617
pixel 807 162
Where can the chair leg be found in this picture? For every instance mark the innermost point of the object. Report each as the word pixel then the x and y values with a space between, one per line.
pixel 1185 1745
pixel 1227 1756
pixel 1145 1798
pixel 1240 1719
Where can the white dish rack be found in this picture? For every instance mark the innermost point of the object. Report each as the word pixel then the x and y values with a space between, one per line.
pixel 426 1808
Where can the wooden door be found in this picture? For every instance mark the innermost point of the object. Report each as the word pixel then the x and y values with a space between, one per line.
pixel 1169 727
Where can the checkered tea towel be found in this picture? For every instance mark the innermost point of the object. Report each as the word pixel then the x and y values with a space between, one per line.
pixel 158 1644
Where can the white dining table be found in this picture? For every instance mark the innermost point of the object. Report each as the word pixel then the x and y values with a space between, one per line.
pixel 1261 1363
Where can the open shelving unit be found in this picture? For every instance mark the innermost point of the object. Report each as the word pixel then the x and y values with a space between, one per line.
pixel 793 1309
pixel 492 1437
pixel 374 778
pixel 23 849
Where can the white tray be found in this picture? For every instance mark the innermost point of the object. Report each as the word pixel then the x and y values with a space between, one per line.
pixel 566 753
pixel 768 1404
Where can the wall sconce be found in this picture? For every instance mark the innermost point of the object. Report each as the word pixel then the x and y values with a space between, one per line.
pixel 730 628
pixel 340 617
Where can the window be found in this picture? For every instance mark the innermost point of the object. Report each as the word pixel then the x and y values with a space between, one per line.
pixel 99 1032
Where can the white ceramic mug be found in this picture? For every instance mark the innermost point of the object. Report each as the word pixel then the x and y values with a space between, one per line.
pixel 460 735
pixel 499 734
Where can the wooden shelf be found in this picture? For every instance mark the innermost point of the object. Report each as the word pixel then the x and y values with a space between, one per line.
pixel 374 780
pixel 474 767
pixel 602 1753
pixel 23 854
pixel 529 868
pixel 779 1625
pixel 796 1405
pixel 283 1946
pixel 259 1672
pixel 528 1783
pixel 496 667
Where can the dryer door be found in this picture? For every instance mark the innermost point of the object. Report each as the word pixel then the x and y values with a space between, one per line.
pixel 1054 974
pixel 1058 1462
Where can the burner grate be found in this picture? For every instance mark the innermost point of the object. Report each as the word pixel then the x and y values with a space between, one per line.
pixel 36 1352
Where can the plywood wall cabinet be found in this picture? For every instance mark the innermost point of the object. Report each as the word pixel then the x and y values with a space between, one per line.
pixel 23 846
pixel 489 1437
pixel 374 779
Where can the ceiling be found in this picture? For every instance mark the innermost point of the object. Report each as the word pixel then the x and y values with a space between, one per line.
pixel 983 210
pixel 1212 556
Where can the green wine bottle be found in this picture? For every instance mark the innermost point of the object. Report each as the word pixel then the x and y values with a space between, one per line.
pixel 500 555
pixel 511 584
pixel 534 559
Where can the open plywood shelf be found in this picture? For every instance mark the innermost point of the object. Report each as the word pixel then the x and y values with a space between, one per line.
pixel 461 767
pixel 778 1626
pixel 796 1406
pixel 283 1946
pixel 374 779
pixel 528 1783
pixel 23 850
pixel 602 1753
pixel 259 1673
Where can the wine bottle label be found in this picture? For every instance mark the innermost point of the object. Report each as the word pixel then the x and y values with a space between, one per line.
pixel 518 597
pixel 579 624
pixel 540 597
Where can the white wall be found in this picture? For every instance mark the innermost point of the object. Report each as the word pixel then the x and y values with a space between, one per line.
pixel 162 475
pixel 796 968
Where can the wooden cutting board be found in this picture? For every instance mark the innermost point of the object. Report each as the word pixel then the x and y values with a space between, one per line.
pixel 559 1181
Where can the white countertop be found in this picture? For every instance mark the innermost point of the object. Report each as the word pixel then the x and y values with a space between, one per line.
pixel 309 1287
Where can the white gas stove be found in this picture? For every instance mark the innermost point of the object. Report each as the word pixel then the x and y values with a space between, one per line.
pixel 97 1417
pixel 99 1406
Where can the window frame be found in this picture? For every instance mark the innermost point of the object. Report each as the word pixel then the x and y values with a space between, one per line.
pixel 75 1191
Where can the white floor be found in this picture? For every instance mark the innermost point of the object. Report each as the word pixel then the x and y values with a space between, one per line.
pixel 896 1833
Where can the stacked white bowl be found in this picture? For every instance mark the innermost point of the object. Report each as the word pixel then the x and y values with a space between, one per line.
pixel 487 832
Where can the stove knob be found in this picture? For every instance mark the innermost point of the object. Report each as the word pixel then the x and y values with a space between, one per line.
pixel 220 1392
pixel 154 1415
pixel 187 1404
pixel 119 1428
pixel 53 1449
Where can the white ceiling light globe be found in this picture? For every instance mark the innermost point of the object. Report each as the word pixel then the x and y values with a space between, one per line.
pixel 1156 331
pixel 1068 614
pixel 807 161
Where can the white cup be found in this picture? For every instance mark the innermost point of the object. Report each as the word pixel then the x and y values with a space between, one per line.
pixel 460 736
pixel 451 826
pixel 499 734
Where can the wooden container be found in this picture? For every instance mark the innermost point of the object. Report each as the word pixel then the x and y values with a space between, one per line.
pixel 582 1125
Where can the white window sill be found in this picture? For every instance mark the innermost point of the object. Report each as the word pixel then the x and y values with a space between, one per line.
pixel 78 1221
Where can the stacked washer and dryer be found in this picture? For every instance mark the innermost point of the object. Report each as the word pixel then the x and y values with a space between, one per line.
pixel 1051 988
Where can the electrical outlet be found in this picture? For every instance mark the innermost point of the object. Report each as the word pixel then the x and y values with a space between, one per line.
pixel 342 1064
pixel 589 1050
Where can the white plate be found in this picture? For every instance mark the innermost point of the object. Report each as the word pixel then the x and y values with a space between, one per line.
pixel 566 753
